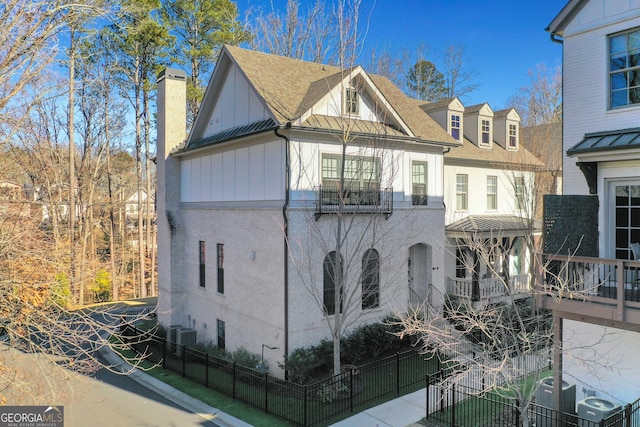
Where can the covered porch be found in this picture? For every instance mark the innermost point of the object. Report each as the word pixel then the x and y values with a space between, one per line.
pixel 493 257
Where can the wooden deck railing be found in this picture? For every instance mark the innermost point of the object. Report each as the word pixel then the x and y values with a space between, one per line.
pixel 611 287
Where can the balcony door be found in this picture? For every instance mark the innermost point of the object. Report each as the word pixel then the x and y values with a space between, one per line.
pixel 623 226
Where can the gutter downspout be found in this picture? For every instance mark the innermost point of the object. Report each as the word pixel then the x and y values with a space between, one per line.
pixel 558 358
pixel 285 218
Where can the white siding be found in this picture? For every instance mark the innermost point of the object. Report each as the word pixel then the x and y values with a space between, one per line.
pixel 585 96
pixel 237 104
pixel 252 173
pixel 477 191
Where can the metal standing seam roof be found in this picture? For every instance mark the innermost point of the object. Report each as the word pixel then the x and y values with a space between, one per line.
pixel 488 223
pixel 607 141
pixel 235 132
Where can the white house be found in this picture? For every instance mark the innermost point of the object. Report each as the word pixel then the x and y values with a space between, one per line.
pixel 249 203
pixel 601 157
pixel 488 187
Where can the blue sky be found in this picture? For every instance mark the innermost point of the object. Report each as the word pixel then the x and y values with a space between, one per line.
pixel 503 39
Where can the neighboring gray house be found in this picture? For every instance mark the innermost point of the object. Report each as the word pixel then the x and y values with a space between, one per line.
pixel 249 202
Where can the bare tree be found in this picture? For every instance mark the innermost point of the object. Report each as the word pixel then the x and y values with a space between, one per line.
pixel 497 343
pixel 311 34
pixel 459 79
pixel 540 101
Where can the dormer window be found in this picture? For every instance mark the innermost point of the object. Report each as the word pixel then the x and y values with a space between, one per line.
pixel 351 101
pixel 513 136
pixel 455 127
pixel 486 132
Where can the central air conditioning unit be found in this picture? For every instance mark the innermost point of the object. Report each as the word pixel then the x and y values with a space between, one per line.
pixel 595 409
pixel 545 397
pixel 185 337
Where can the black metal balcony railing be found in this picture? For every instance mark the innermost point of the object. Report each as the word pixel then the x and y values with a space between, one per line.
pixel 610 286
pixel 354 200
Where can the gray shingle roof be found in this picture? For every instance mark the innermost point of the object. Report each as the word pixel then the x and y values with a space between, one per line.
pixel 290 87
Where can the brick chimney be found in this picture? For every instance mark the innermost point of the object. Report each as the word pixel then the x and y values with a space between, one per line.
pixel 172 119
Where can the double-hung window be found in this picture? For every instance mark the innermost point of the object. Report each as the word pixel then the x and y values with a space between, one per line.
pixel 492 193
pixel 624 69
pixel 486 132
pixel 361 183
pixel 419 183
pixel 513 136
pixel 220 256
pixel 519 193
pixel 462 188
pixel 351 102
pixel 201 247
pixel 455 126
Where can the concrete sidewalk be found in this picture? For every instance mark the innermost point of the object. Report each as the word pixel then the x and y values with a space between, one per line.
pixel 208 413
pixel 401 412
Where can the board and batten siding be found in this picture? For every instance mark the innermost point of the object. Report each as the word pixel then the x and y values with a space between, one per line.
pixel 586 86
pixel 237 104
pixel 306 166
pixel 252 173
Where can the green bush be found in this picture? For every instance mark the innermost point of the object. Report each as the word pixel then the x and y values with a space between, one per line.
pixel 60 292
pixel 101 286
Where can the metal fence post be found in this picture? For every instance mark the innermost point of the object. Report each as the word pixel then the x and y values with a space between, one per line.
pixel 206 370
pixel 427 390
pixel 304 407
pixel 234 380
pixel 351 389
pixel 164 353
pixel 453 405
pixel 184 361
pixel 398 373
pixel 517 412
pixel 266 392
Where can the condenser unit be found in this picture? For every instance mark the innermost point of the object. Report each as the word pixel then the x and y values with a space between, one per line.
pixel 185 337
pixel 596 409
pixel 545 397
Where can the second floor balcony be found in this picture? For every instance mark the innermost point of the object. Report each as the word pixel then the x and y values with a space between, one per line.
pixel 595 290
pixel 354 199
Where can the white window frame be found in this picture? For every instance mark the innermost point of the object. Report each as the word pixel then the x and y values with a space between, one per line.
pixel 483 131
pixel 351 102
pixel 492 193
pixel 462 192
pixel 512 136
pixel 419 198
pixel 455 119
pixel 621 46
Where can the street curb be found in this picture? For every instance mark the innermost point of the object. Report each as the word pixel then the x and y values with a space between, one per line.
pixel 209 413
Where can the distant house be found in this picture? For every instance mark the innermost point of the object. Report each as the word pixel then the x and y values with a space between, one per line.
pixel 598 216
pixel 135 202
pixel 249 202
pixel 489 182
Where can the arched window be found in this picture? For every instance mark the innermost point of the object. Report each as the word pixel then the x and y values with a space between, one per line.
pixel 370 279
pixel 330 277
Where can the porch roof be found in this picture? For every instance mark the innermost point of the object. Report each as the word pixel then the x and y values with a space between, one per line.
pixel 607 141
pixel 492 226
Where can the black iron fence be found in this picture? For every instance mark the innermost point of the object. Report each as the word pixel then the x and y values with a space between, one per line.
pixel 356 199
pixel 450 404
pixel 307 405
